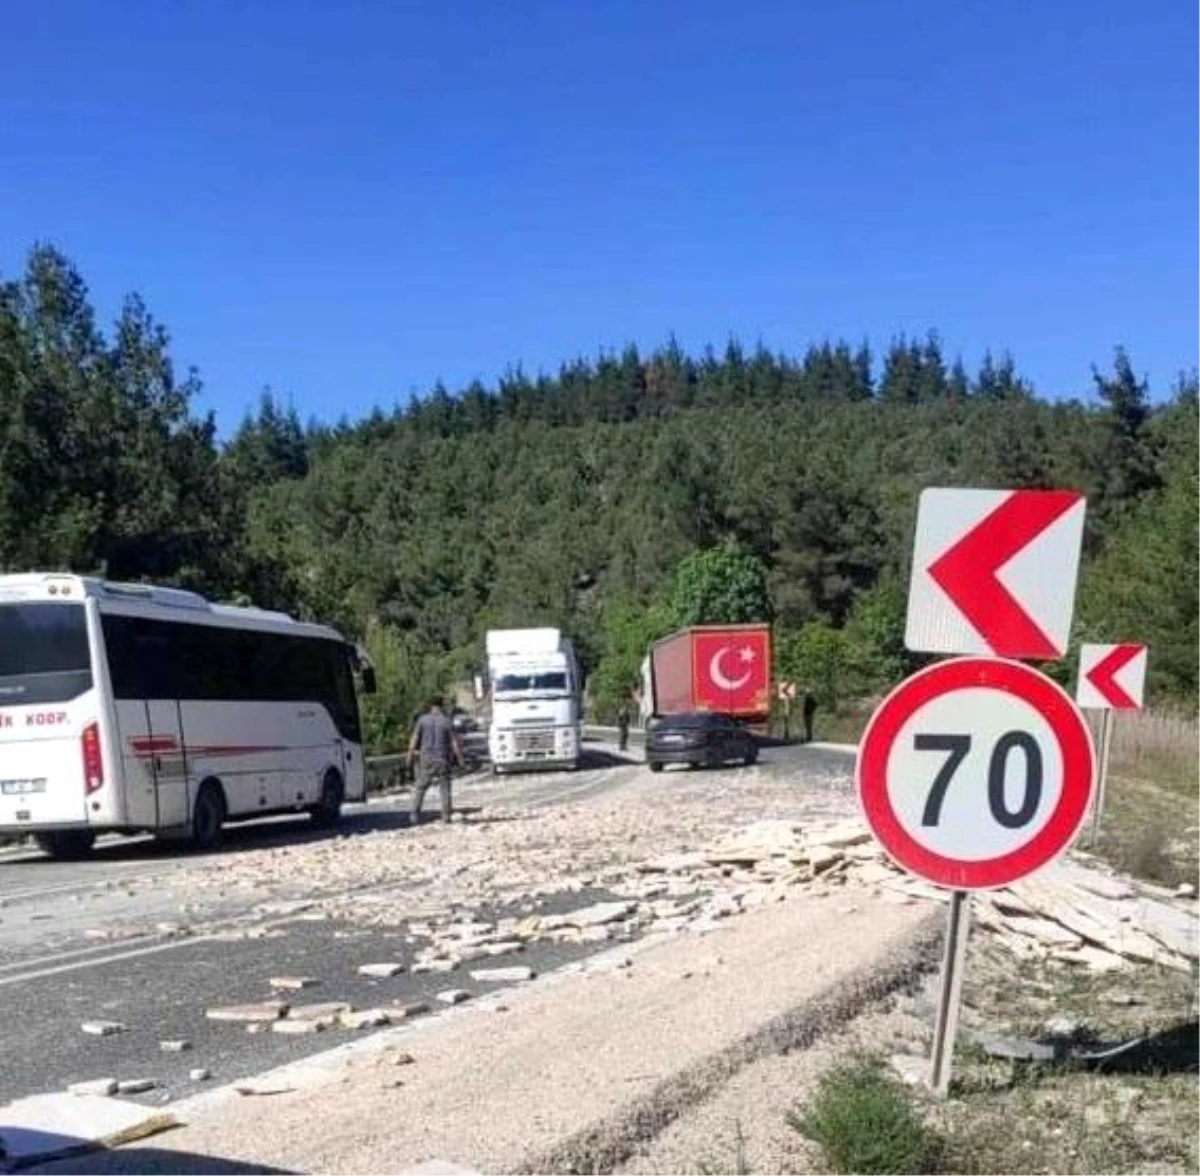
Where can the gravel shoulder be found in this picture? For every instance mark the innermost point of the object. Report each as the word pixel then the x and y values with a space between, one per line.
pixel 744 1127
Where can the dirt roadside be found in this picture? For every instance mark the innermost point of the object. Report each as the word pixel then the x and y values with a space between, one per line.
pixel 576 1071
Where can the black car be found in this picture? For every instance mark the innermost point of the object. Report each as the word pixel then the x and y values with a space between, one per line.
pixel 698 738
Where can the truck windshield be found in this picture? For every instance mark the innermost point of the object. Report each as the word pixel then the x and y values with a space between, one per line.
pixel 511 683
pixel 43 653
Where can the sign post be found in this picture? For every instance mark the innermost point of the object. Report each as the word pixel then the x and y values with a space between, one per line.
pixel 1111 677
pixel 972 774
pixel 993 574
pixel 954 962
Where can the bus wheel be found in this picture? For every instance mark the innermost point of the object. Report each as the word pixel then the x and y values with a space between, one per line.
pixel 208 816
pixel 329 808
pixel 67 846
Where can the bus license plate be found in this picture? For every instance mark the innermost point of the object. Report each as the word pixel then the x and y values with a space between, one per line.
pixel 22 787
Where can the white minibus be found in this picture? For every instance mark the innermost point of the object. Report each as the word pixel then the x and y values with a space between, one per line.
pixel 130 708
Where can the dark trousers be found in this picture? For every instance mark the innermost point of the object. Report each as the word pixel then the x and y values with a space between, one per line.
pixel 622 735
pixel 808 718
pixel 428 775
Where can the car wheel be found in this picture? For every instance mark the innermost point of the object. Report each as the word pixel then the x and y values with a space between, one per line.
pixel 208 815
pixel 655 767
pixel 67 846
pixel 328 809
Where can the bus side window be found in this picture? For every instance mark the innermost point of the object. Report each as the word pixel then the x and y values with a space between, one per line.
pixel 143 657
pixel 344 697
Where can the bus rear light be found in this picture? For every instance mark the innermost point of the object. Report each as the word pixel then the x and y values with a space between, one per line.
pixel 93 762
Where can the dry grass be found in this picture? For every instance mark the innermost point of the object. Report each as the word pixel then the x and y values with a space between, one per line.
pixel 1158 747
pixel 1149 825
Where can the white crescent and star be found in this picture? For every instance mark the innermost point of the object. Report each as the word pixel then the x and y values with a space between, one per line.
pixel 718 675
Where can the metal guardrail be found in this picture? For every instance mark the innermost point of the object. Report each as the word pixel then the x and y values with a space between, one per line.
pixel 389 773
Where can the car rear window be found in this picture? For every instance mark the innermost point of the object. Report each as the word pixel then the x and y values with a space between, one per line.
pixel 691 721
pixel 43 653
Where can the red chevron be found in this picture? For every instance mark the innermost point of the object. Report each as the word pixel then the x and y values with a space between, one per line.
pixel 1103 675
pixel 967 571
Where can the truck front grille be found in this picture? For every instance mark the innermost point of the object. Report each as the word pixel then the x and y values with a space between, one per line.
pixel 535 742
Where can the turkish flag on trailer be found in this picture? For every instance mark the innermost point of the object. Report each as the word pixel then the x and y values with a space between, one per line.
pixel 731 669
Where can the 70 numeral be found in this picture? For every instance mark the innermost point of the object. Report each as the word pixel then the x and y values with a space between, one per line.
pixel 957 747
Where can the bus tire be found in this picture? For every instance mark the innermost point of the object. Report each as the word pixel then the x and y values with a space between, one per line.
pixel 69 845
pixel 328 809
pixel 208 815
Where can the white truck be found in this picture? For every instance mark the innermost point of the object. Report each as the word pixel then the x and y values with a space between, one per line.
pixel 535 692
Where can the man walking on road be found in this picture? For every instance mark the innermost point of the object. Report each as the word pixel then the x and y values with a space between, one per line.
pixel 434 737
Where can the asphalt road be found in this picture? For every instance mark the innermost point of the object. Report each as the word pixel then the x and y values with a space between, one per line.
pixel 158 980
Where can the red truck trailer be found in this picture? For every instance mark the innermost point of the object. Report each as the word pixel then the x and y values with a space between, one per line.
pixel 721 668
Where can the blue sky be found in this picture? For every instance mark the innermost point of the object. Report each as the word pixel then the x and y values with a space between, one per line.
pixel 350 200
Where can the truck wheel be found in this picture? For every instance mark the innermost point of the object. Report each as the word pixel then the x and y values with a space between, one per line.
pixel 208 815
pixel 328 809
pixel 655 767
pixel 70 845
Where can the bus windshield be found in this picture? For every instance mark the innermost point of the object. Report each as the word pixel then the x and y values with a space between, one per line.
pixel 43 653
pixel 511 683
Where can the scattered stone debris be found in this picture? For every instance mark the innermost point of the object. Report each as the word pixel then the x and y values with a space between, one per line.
pixel 199 1074
pixel 180 1045
pixel 292 983
pixel 437 1167
pixel 502 975
pixel 913 1070
pixel 263 1086
pixel 676 870
pixel 402 1059
pixel 260 1012
pixel 320 1011
pixel 100 1086
pixel 380 971
pixel 284 909
pixel 296 1028
pixel 103 1028
pixel 136 1086
pixel 46 1127
pixel 440 966
pixel 1062 1026
pixel 453 996
pixel 1120 996
pixel 590 916
pixel 365 1019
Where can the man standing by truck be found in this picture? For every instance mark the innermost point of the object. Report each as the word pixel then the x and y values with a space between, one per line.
pixel 623 726
pixel 809 709
pixel 434 737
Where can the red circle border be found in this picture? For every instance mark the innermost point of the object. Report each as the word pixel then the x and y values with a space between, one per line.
pixel 1045 696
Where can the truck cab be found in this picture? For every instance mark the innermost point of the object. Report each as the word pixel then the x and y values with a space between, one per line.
pixel 534 690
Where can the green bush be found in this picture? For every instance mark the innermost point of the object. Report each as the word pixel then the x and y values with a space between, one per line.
pixel 865 1122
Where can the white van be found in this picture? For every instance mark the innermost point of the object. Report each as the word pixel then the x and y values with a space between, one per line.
pixel 129 707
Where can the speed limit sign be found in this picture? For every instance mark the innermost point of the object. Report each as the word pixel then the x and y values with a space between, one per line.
pixel 975 772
